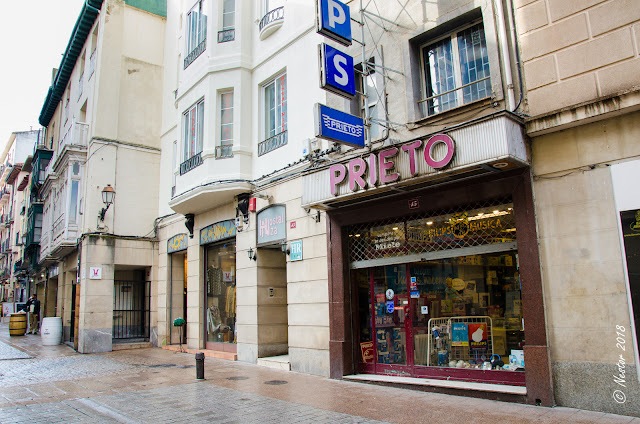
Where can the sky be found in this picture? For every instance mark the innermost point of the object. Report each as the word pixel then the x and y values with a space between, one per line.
pixel 33 36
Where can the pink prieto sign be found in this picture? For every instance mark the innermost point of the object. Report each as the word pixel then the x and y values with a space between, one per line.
pixel 381 165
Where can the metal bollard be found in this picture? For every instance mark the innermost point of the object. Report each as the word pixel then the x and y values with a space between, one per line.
pixel 200 366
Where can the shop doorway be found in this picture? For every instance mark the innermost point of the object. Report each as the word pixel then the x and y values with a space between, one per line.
pixel 273 317
pixel 220 297
pixel 177 298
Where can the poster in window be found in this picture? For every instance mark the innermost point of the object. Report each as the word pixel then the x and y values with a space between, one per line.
pixel 459 335
pixel 477 336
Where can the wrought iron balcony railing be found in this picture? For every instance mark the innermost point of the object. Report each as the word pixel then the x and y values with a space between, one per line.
pixel 193 162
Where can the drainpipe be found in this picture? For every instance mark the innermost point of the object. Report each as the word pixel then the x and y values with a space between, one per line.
pixel 506 57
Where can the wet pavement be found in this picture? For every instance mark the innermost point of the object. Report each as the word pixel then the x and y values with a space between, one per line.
pixel 57 384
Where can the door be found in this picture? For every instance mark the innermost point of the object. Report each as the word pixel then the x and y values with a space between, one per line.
pixel 391 323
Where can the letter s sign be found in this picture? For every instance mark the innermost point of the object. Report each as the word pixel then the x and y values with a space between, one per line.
pixel 334 20
pixel 336 70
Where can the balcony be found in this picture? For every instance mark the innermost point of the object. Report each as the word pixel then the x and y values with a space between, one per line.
pixel 272 143
pixel 200 48
pixel 208 180
pixel 191 163
pixel 92 64
pixel 80 85
pixel 4 196
pixel 224 151
pixel 226 35
pixel 271 22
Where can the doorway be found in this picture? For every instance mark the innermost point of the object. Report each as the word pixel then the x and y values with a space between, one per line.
pixel 177 298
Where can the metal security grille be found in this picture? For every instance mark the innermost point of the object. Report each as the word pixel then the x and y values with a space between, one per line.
pixel 131 309
pixel 489 223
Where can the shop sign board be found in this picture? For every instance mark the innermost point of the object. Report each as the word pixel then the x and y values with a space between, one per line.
pixel 177 243
pixel 95 273
pixel 334 20
pixel 271 225
pixel 339 127
pixel 380 169
pixel 219 231
pixel 336 71
pixel 296 250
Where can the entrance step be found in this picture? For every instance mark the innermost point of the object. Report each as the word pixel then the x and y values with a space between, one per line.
pixel 131 345
pixel 230 356
pixel 277 362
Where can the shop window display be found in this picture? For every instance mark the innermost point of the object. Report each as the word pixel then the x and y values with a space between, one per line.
pixel 450 311
pixel 221 293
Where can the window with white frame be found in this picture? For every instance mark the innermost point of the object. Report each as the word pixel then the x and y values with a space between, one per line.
pixel 193 130
pixel 274 94
pixel 196 31
pixel 275 106
pixel 228 14
pixel 456 70
pixel 226 125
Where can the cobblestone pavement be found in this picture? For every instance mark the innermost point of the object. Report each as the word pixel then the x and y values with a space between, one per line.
pixel 8 352
pixel 159 386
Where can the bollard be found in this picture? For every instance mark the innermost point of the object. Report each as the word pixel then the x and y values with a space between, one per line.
pixel 200 366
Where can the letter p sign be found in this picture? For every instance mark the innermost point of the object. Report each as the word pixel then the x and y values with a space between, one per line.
pixel 334 20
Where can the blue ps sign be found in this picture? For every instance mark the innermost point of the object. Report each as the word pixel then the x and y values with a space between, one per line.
pixel 338 126
pixel 336 71
pixel 334 20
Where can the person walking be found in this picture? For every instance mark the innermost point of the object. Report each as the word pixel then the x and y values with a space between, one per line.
pixel 33 307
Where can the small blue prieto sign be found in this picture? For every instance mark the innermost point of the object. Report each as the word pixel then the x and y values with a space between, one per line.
pixel 339 126
pixel 296 250
pixel 334 20
pixel 390 306
pixel 337 74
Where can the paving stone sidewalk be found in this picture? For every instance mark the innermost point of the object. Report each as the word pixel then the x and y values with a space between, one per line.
pixel 8 352
pixel 158 386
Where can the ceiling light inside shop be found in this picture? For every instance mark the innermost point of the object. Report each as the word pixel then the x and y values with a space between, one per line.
pixel 429 222
pixel 395 228
pixel 357 235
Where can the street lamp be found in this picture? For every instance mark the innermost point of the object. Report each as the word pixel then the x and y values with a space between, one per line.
pixel 108 194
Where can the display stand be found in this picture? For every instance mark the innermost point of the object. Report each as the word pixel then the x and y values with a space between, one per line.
pixel 456 353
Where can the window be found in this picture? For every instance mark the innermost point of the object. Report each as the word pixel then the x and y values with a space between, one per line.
pixel 456 70
pixel 226 125
pixel 193 121
pixel 275 106
pixel 196 32
pixel 228 14
pixel 73 204
pixel 372 85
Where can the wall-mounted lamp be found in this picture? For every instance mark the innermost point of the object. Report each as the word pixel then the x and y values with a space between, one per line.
pixel 189 222
pixel 108 194
pixel 252 254
pixel 315 217
pixel 285 248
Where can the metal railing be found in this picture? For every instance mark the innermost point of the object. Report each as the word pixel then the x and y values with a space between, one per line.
pixel 226 35
pixel 80 85
pixel 193 162
pixel 224 151
pixel 272 143
pixel 92 64
pixel 200 48
pixel 271 17
pixel 131 301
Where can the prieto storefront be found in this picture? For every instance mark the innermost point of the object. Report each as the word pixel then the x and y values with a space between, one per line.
pixel 434 273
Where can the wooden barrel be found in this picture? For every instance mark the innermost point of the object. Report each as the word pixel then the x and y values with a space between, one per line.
pixel 18 324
